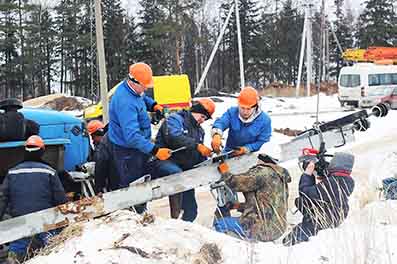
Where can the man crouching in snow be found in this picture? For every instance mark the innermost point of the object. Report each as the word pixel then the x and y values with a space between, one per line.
pixel 265 188
pixel 325 204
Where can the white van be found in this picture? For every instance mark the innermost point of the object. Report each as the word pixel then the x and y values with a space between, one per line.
pixel 364 84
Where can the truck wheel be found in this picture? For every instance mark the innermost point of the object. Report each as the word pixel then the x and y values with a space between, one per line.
pixel 356 104
pixel 342 103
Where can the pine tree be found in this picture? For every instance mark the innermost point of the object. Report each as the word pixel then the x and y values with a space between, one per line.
pixel 48 34
pixel 266 47
pixel 229 60
pixel 249 20
pixel 9 56
pixel 344 32
pixel 132 45
pixel 249 17
pixel 377 24
pixel 86 51
pixel 154 37
pixel 290 23
pixel 114 30
pixel 69 21
pixel 40 46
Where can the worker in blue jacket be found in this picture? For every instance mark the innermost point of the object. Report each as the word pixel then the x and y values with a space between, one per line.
pixel 249 127
pixel 183 129
pixel 30 186
pixel 129 126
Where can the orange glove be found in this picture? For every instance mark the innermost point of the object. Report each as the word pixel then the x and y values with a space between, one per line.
pixel 158 107
pixel 163 153
pixel 240 151
pixel 216 143
pixel 204 150
pixel 223 168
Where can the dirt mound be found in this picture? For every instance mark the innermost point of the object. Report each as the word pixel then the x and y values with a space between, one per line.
pixel 41 100
pixel 288 132
pixel 58 102
pixel 65 104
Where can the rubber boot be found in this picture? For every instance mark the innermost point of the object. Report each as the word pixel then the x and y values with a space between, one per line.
pixel 175 205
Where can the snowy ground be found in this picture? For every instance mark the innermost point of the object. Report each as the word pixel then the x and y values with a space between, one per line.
pixel 369 235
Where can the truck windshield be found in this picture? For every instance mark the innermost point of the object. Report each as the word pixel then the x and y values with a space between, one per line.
pixel 350 80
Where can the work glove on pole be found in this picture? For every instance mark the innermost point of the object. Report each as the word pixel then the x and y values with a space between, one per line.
pixel 240 151
pixel 204 150
pixel 161 153
pixel 216 143
pixel 224 169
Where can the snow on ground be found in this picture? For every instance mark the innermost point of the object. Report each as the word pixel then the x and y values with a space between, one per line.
pixel 370 240
pixel 369 235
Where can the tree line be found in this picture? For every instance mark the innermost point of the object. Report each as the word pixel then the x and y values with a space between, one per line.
pixel 43 48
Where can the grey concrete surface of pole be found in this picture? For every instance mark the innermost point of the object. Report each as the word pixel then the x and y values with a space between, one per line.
pixel 101 61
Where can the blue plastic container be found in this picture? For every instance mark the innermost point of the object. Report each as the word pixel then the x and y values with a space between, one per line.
pixel 56 125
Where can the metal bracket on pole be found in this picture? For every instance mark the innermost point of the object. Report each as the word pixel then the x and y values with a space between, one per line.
pixel 218 41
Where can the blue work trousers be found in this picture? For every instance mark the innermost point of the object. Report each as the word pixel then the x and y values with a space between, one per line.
pixel 131 165
pixel 21 246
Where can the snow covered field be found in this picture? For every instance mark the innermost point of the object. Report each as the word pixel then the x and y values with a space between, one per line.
pixel 369 235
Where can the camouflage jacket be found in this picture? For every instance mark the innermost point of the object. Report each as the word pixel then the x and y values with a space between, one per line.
pixel 265 188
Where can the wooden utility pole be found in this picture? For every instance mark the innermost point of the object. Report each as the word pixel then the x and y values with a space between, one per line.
pixel 101 61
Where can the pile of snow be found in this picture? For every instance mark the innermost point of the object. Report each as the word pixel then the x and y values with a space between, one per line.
pixel 122 237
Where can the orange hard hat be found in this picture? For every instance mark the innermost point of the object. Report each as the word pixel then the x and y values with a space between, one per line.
pixel 142 74
pixel 248 97
pixel 34 143
pixel 95 126
pixel 208 105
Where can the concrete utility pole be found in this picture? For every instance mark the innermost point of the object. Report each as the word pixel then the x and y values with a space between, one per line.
pixel 101 61
pixel 321 66
pixel 323 45
pixel 302 53
pixel 240 46
pixel 327 52
pixel 309 49
pixel 306 38
pixel 93 62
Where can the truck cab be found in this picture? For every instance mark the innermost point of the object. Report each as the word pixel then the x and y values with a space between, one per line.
pixel 390 99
